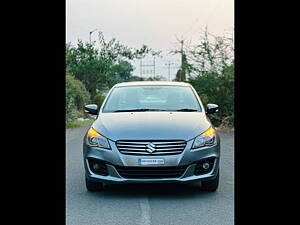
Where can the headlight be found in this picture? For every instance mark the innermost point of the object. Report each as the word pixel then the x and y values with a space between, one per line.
pixel 208 138
pixel 96 139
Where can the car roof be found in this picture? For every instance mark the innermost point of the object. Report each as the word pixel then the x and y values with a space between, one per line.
pixel 139 83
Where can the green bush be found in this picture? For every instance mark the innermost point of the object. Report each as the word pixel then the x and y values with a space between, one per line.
pixel 76 97
pixel 98 99
pixel 210 68
pixel 217 89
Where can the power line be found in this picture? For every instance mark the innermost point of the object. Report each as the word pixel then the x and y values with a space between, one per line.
pixel 150 71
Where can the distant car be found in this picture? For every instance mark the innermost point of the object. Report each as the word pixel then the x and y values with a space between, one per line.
pixel 151 132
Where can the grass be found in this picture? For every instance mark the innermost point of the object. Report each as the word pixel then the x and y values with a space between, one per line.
pixel 77 123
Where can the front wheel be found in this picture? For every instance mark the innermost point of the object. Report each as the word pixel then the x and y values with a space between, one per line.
pixel 210 185
pixel 93 186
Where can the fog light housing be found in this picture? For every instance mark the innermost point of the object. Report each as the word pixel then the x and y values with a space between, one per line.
pixel 98 167
pixel 205 165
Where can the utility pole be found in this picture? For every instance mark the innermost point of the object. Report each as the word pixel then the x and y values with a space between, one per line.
pixel 182 72
pixel 169 64
pixel 154 65
pixel 183 62
pixel 91 35
pixel 152 71
pixel 181 42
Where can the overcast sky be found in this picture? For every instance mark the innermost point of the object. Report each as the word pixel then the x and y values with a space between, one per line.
pixel 155 23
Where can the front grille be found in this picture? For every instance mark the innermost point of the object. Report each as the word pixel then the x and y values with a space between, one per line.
pixel 150 172
pixel 160 147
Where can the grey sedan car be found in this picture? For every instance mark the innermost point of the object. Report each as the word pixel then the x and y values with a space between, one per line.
pixel 151 132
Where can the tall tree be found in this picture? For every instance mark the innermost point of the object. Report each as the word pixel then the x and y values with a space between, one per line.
pixel 210 65
pixel 101 67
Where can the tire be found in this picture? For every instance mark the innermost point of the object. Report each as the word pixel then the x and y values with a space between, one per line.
pixel 210 185
pixel 93 186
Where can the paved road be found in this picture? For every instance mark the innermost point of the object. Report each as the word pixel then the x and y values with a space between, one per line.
pixel 156 204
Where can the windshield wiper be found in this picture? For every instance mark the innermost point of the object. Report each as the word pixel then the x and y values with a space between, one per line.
pixel 137 110
pixel 186 110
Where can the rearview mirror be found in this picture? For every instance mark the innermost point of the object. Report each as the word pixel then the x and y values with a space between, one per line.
pixel 212 108
pixel 91 109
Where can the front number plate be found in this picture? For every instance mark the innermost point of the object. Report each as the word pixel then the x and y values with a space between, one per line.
pixel 151 161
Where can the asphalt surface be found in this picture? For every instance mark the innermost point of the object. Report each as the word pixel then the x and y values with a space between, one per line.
pixel 156 204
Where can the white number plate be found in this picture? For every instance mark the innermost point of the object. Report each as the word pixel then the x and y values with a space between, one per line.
pixel 151 161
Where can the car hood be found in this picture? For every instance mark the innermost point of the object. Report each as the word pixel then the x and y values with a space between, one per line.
pixel 151 125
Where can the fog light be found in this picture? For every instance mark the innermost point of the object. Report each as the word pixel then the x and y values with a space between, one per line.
pixel 205 166
pixel 96 166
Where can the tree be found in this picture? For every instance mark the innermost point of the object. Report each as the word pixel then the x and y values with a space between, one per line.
pixel 155 78
pixel 213 53
pixel 180 75
pixel 101 67
pixel 210 65
pixel 120 72
pixel 185 67
pixel 76 97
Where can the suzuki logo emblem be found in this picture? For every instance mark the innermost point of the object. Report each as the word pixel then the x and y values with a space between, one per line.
pixel 150 147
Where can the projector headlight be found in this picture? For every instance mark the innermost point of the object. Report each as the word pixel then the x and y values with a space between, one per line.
pixel 97 140
pixel 208 138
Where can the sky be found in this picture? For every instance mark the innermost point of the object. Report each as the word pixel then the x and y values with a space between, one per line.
pixel 156 23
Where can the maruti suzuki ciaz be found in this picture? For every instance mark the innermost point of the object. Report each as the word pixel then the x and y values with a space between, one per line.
pixel 151 132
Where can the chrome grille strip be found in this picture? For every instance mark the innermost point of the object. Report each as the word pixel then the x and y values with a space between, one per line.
pixel 157 150
pixel 154 153
pixel 137 147
pixel 147 142
pixel 158 146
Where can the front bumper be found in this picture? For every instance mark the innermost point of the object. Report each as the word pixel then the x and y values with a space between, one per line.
pixel 113 157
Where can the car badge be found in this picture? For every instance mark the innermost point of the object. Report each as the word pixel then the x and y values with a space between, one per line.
pixel 150 147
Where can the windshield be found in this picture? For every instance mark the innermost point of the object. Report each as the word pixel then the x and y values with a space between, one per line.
pixel 152 98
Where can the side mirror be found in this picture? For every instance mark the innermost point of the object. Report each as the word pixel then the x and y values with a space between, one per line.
pixel 212 108
pixel 91 109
